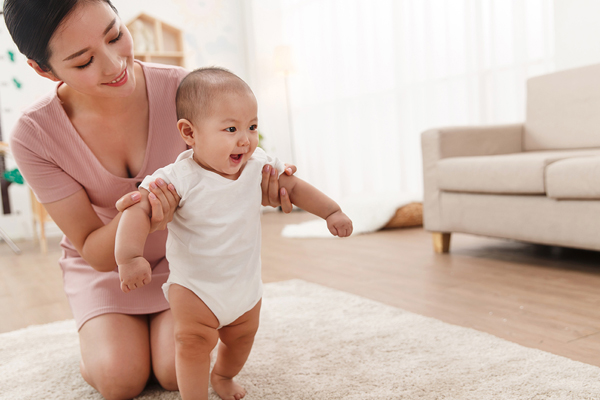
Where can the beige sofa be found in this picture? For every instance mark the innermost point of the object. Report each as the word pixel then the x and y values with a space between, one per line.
pixel 537 182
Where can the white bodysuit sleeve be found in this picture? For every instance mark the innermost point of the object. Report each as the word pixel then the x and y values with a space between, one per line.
pixel 167 174
pixel 272 161
pixel 170 174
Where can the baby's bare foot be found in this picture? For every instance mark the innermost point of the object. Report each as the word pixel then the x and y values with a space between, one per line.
pixel 226 388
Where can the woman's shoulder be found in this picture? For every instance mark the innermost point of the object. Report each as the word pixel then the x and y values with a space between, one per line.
pixel 41 115
pixel 43 107
pixel 163 72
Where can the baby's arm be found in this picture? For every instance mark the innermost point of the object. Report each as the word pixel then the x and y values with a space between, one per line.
pixel 310 199
pixel 133 229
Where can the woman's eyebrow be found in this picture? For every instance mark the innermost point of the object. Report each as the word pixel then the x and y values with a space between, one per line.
pixel 109 27
pixel 76 54
pixel 80 52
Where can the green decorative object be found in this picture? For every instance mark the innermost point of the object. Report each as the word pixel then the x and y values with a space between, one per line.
pixel 260 139
pixel 14 176
pixel 11 55
pixel 17 83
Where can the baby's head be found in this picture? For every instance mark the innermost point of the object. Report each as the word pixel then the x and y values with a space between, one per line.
pixel 217 117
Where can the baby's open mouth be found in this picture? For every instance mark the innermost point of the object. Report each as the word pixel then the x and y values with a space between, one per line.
pixel 236 157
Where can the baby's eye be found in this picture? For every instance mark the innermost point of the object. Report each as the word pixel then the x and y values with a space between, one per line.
pixel 253 127
pixel 231 129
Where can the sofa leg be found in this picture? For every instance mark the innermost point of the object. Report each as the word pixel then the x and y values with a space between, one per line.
pixel 441 242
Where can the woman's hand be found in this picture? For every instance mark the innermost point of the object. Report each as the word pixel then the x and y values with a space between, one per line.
pixel 163 199
pixel 271 194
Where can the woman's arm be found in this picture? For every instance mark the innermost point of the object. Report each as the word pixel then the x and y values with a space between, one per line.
pixel 95 241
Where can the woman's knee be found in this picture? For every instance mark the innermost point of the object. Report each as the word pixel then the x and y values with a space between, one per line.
pixel 115 350
pixel 117 378
pixel 162 347
pixel 165 375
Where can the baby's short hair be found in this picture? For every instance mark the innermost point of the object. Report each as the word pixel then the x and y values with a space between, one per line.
pixel 201 87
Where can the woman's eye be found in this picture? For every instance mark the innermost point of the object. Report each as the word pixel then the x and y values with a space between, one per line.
pixel 117 38
pixel 253 127
pixel 86 64
pixel 231 129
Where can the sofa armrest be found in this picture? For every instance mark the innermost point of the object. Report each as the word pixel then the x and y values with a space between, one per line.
pixel 440 143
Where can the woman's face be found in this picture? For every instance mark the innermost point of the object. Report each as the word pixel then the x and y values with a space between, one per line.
pixel 92 52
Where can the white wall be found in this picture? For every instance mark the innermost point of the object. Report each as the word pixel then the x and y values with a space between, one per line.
pixel 214 30
pixel 577 33
pixel 263 20
pixel 215 33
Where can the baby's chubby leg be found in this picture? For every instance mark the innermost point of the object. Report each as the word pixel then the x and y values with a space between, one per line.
pixel 237 339
pixel 195 336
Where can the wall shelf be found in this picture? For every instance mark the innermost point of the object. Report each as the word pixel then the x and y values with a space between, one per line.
pixel 156 41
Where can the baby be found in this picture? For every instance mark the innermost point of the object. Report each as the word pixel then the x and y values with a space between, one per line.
pixel 213 247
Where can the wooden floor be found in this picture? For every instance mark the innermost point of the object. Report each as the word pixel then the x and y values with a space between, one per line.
pixel 538 296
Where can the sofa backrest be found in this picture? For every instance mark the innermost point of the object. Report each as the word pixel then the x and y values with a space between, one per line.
pixel 563 110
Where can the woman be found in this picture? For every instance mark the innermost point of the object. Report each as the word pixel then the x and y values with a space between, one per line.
pixel 110 122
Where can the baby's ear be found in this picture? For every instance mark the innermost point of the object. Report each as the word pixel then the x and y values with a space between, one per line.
pixel 186 130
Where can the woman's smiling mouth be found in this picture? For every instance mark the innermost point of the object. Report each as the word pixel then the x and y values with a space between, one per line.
pixel 121 79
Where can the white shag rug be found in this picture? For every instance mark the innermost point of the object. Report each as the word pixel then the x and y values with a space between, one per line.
pixel 368 213
pixel 316 343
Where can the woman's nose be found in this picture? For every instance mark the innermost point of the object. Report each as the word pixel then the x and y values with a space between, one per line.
pixel 113 64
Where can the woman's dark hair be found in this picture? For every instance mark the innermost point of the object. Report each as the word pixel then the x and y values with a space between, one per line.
pixel 32 23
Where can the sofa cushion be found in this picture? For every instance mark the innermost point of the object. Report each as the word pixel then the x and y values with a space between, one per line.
pixel 519 173
pixel 574 178
pixel 562 110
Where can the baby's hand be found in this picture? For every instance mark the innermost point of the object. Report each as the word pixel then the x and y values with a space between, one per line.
pixel 339 224
pixel 135 274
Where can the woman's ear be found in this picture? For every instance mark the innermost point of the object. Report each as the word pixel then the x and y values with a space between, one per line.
pixel 187 131
pixel 46 74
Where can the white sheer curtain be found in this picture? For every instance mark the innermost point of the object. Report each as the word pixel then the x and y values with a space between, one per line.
pixel 371 75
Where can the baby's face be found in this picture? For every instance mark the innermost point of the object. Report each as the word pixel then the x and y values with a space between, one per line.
pixel 226 138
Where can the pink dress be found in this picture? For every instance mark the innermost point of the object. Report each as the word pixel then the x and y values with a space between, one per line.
pixel 56 163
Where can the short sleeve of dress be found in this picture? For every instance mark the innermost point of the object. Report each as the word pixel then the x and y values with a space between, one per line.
pixel 48 181
pixel 181 73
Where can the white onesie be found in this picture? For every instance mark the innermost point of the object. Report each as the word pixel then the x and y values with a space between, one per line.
pixel 214 239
